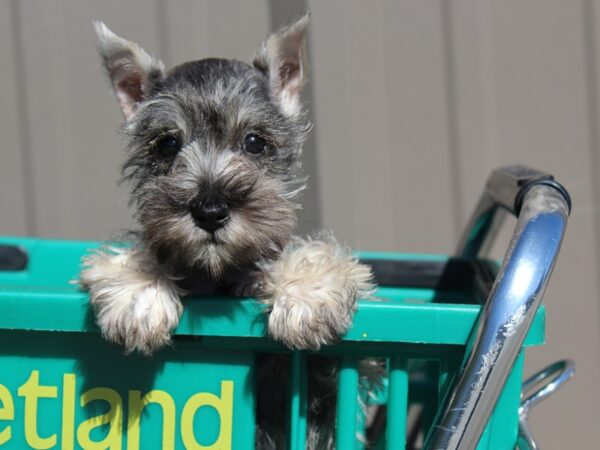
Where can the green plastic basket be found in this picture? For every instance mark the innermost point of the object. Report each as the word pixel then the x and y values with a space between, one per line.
pixel 63 387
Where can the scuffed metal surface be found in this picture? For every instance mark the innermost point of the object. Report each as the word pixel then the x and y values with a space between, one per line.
pixel 509 309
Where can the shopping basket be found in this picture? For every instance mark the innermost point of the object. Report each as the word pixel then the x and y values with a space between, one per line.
pixel 452 330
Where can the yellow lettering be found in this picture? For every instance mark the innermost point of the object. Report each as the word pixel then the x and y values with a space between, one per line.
pixel 68 411
pixel 137 404
pixel 113 417
pixel 223 406
pixel 32 390
pixel 7 412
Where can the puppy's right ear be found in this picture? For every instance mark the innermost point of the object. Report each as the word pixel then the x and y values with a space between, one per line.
pixel 131 69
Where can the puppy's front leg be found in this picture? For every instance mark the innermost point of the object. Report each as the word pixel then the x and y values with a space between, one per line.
pixel 136 304
pixel 312 291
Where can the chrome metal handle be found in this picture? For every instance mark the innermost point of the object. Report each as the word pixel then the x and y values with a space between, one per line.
pixel 504 192
pixel 547 382
pixel 542 206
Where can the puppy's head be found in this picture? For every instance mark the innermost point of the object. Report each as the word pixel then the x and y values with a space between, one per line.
pixel 214 149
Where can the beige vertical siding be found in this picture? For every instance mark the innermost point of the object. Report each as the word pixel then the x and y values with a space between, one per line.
pixel 13 204
pixel 195 30
pixel 414 104
pixel 381 118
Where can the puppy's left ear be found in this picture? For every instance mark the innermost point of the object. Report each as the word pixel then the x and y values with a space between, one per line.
pixel 283 58
pixel 131 69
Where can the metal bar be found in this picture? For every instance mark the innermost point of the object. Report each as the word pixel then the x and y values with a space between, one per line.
pixel 297 402
pixel 547 381
pixel 542 206
pixel 397 403
pixel 525 440
pixel 347 403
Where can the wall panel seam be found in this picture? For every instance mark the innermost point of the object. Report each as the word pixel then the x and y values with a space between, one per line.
pixel 452 115
pixel 22 113
pixel 593 93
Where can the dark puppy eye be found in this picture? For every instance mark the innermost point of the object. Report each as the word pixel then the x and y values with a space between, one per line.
pixel 168 146
pixel 254 144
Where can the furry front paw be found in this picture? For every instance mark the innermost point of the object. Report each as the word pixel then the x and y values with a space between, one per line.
pixel 135 306
pixel 144 324
pixel 312 289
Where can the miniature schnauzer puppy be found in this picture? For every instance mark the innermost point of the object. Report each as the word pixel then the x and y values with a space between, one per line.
pixel 214 168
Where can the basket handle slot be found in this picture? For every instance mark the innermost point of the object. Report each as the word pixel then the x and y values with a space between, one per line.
pixel 13 258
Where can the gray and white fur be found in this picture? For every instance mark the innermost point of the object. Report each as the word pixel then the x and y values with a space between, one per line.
pixel 214 167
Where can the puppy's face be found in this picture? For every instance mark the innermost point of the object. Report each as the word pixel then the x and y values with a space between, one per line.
pixel 214 149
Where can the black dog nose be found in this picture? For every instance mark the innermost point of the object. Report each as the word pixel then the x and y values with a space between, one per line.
pixel 211 214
